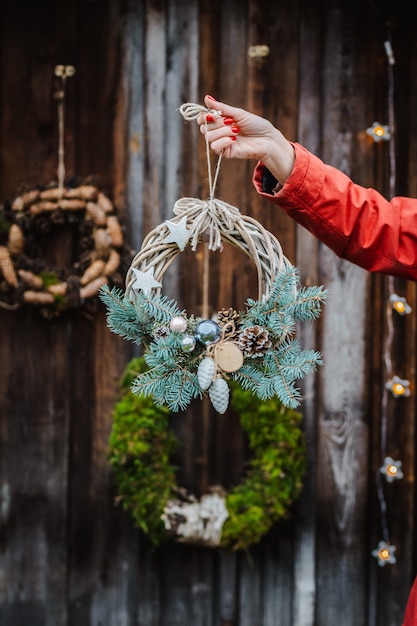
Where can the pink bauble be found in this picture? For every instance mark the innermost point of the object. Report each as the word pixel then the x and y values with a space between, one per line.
pixel 178 325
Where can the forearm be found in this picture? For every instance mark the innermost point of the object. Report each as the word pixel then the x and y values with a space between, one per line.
pixel 356 223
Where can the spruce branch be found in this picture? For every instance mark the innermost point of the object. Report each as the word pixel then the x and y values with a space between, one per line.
pixel 121 315
pixel 158 308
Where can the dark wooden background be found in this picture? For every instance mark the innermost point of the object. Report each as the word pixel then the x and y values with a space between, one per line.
pixel 68 555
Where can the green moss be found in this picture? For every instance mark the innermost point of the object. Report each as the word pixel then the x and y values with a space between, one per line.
pixel 4 225
pixel 49 278
pixel 140 448
pixel 276 469
pixel 141 445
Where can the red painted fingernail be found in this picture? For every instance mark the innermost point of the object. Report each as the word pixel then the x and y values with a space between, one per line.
pixel 233 138
pixel 209 118
pixel 228 120
pixel 210 98
pixel 235 129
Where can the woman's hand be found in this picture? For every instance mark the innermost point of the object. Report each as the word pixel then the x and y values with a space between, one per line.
pixel 236 133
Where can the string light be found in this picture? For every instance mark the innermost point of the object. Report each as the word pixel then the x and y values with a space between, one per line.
pixel 399 387
pixel 379 132
pixel 400 305
pixel 384 554
pixel 391 469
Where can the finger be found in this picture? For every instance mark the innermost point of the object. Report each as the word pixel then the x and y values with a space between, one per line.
pixel 209 117
pixel 225 109
pixel 214 134
pixel 223 145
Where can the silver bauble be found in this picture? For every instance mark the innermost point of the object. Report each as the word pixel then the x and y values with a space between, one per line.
pixel 208 332
pixel 188 343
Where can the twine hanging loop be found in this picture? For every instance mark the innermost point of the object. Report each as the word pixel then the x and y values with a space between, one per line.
pixel 212 222
pixel 62 72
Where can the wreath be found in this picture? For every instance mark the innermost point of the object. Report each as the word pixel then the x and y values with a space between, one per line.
pixel 190 356
pixel 141 445
pixel 27 277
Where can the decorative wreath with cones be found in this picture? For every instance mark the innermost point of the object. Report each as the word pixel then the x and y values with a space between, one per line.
pixel 28 278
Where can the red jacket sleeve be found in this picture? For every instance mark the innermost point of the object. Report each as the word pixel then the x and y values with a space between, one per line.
pixel 357 223
pixel 410 617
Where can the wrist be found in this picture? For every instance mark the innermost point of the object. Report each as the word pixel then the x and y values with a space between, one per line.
pixel 280 159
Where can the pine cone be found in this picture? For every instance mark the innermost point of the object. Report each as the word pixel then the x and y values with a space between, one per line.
pixel 230 318
pixel 161 332
pixel 254 341
pixel 228 315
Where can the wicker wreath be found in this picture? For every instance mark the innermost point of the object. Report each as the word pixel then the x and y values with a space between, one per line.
pixel 27 278
pixel 212 221
pixel 188 356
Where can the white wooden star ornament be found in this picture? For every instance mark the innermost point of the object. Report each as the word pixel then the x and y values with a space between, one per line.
pixel 145 280
pixel 178 233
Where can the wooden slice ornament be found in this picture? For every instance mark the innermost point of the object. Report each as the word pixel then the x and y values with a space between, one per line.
pixel 229 357
pixel 256 348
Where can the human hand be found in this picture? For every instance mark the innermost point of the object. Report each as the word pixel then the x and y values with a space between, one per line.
pixel 236 133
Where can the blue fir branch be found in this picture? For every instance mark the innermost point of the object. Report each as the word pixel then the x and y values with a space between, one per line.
pixel 308 303
pixel 121 315
pixel 282 386
pixel 173 388
pixel 287 392
pixel 167 352
pixel 249 377
pixel 284 287
pixel 180 388
pixel 266 386
pixel 286 303
pixel 156 307
pixel 162 355
pixel 280 324
pixel 146 382
pixel 291 358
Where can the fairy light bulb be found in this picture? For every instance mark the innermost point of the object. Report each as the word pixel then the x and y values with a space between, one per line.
pixel 391 469
pixel 399 304
pixel 379 132
pixel 399 387
pixel 384 554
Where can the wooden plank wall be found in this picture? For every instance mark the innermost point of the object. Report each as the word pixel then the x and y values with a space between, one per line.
pixel 69 556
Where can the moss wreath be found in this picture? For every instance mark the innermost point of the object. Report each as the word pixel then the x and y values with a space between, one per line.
pixel 140 448
pixel 28 278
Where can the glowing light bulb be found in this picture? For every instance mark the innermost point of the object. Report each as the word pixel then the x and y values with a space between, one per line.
pixel 384 554
pixel 379 132
pixel 391 469
pixel 399 387
pixel 400 305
